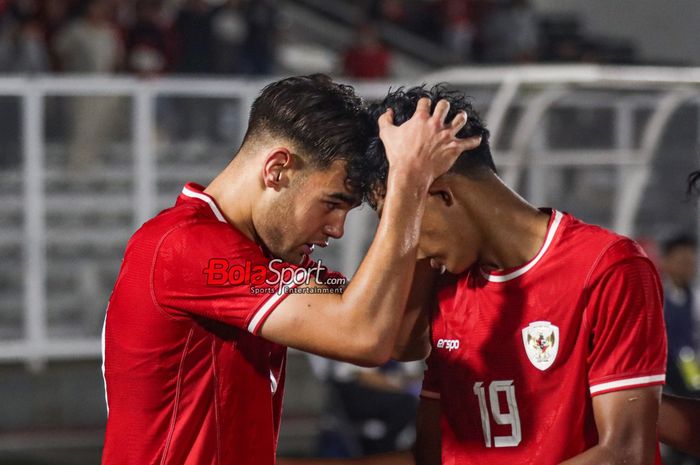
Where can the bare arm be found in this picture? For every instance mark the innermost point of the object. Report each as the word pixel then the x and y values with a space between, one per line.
pixel 626 423
pixel 428 448
pixel 413 341
pixel 679 423
pixel 361 325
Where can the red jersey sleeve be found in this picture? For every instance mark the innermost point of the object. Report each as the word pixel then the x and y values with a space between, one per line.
pixel 185 281
pixel 625 316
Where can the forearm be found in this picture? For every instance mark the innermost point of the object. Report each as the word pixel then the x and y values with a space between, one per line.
pixel 600 455
pixel 418 152
pixel 679 423
pixel 394 458
pixel 413 340
pixel 372 305
pixel 621 454
pixel 360 325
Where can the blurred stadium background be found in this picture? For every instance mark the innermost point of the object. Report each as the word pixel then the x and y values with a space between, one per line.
pixel 109 107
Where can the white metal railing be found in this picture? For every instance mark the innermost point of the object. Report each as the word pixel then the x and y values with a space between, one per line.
pixel 537 89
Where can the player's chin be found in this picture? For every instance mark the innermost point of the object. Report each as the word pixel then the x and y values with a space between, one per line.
pixel 446 264
pixel 293 257
pixel 456 269
pixel 459 267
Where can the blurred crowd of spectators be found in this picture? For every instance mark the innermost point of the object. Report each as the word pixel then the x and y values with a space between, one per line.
pixel 144 37
pixel 482 31
pixel 474 30
pixel 154 37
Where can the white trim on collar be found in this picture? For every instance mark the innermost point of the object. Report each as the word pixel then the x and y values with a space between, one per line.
pixel 207 199
pixel 527 267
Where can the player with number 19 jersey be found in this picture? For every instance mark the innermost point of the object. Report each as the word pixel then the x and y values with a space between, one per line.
pixel 518 355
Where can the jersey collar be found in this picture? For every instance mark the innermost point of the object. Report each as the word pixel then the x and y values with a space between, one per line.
pixel 196 191
pixel 514 273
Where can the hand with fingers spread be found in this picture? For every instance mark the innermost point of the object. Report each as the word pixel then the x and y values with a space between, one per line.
pixel 425 146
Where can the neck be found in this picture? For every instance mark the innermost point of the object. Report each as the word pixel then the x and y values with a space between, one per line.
pixel 234 193
pixel 511 230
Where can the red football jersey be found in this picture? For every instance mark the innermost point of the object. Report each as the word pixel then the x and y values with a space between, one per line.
pixel 188 380
pixel 518 355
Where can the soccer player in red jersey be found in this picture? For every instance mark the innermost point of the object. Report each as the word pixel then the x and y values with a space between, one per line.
pixel 195 335
pixel 679 417
pixel 546 340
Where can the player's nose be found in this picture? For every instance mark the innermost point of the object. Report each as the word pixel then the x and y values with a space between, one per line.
pixel 334 230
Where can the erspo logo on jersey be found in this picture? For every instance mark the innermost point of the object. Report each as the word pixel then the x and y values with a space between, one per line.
pixel 267 279
pixel 449 344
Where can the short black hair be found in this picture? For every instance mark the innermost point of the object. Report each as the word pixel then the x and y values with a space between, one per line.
pixel 679 241
pixel 403 102
pixel 325 120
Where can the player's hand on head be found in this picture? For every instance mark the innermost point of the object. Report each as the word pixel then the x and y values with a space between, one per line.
pixel 425 145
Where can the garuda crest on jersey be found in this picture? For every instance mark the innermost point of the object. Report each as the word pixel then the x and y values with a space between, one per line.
pixel 541 340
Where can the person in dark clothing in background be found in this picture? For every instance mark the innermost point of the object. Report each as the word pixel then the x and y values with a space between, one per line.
pixel 149 50
pixel 679 267
pixel 261 42
pixel 683 372
pixel 192 30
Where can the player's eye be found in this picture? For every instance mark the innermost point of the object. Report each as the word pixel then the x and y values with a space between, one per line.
pixel 331 205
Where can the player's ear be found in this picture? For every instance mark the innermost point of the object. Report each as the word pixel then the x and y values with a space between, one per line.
pixel 276 162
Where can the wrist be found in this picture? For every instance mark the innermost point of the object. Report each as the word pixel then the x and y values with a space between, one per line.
pixel 403 178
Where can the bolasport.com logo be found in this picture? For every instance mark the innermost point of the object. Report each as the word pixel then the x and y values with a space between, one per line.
pixel 276 277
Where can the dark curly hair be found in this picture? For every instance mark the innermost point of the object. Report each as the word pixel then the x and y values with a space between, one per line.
pixel 325 120
pixel 403 103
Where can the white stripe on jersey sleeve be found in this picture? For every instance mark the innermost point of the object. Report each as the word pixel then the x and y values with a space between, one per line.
pixel 628 383
pixel 267 307
pixel 269 303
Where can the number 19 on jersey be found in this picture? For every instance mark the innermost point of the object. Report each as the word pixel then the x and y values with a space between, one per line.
pixel 510 417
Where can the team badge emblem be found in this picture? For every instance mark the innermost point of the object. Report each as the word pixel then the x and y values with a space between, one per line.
pixel 541 340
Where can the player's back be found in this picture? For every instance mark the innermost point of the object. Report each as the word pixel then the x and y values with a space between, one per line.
pixel 518 354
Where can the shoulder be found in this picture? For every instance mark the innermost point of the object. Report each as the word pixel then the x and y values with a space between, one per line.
pixel 624 273
pixel 621 255
pixel 586 236
pixel 211 237
pixel 602 246
pixel 184 230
